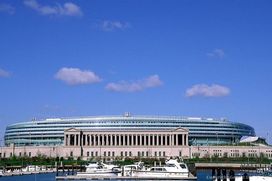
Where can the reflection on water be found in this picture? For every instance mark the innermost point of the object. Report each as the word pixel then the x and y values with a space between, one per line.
pixel 201 176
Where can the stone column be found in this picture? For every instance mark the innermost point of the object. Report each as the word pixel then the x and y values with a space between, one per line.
pixel 67 140
pixel 89 138
pixel 162 139
pixel 136 140
pixel 115 143
pixel 107 140
pixel 119 140
pixel 94 136
pixel 100 139
pixel 144 140
pixel 171 140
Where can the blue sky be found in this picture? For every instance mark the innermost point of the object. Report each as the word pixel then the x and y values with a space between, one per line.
pixel 185 57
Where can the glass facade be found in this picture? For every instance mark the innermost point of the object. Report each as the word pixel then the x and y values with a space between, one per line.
pixel 202 131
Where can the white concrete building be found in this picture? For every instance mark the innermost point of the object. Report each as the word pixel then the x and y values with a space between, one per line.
pixel 140 143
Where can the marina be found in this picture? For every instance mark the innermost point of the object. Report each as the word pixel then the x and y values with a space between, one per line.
pixel 172 170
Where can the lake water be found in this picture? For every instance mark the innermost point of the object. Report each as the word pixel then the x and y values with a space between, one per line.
pixel 201 176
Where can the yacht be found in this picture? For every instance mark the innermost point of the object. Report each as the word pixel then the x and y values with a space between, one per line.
pixel 172 169
pixel 31 168
pixel 129 170
pixel 100 169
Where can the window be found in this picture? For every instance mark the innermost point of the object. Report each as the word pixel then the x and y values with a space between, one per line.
pixel 134 140
pixel 122 140
pixel 159 140
pixel 29 154
pixel 168 140
pixel 130 153
pixel 88 153
pixel 126 139
pixel 71 153
pixel 155 140
pixel 108 153
pixel 113 140
pixel 121 153
pixel 179 139
pixel 117 140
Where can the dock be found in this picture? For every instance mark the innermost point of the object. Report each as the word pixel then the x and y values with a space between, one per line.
pixel 233 166
pixel 75 177
pixel 18 173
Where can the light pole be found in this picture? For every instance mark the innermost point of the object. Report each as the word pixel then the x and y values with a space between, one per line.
pixel 1 148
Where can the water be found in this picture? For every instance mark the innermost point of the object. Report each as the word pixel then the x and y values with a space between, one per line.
pixel 201 176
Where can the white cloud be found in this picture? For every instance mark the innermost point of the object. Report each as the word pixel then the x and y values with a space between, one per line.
pixel 207 91
pixel 4 73
pixel 75 76
pixel 113 25
pixel 7 8
pixel 67 9
pixel 216 53
pixel 124 86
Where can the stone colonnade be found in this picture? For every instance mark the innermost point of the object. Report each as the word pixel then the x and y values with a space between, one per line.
pixel 123 138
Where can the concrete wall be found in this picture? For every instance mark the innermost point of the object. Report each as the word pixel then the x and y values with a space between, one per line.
pixel 133 151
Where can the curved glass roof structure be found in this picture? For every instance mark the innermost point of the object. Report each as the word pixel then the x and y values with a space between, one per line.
pixel 202 131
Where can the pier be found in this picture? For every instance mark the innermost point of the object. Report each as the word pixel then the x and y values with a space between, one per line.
pixel 76 177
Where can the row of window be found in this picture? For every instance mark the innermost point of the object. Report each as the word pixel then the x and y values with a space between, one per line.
pixel 20 154
pixel 124 154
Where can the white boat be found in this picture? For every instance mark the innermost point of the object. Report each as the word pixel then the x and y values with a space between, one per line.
pixel 172 169
pixel 100 170
pixel 31 168
pixel 129 170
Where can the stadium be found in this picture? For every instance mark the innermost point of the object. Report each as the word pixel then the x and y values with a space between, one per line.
pixel 202 131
